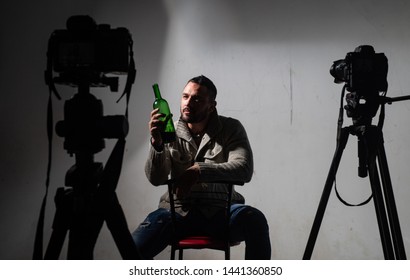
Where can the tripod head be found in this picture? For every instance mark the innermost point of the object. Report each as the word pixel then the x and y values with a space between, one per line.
pixel 84 127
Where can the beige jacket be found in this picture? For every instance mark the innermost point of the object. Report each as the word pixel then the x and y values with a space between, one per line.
pixel 224 154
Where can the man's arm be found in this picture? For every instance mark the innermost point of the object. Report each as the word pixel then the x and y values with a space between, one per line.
pixel 158 165
pixel 239 163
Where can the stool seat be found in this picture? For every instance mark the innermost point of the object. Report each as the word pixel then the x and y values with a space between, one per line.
pixel 200 242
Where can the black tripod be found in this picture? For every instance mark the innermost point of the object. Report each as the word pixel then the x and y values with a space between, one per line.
pixel 82 210
pixel 90 199
pixel 82 55
pixel 371 150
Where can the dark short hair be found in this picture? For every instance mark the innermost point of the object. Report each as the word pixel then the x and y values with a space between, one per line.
pixel 206 82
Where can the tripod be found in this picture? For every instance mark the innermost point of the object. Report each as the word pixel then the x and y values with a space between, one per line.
pixel 82 55
pixel 81 210
pixel 90 199
pixel 371 149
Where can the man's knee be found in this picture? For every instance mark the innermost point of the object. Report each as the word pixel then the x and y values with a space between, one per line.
pixel 251 217
pixel 256 218
pixel 157 218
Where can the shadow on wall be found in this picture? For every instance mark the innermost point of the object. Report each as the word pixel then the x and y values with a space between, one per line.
pixel 24 151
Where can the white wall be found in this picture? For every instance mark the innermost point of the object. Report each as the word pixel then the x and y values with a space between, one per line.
pixel 270 61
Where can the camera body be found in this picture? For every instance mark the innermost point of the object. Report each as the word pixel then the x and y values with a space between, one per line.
pixel 364 73
pixel 362 70
pixel 86 51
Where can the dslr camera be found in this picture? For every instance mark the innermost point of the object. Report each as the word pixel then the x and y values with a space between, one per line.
pixel 364 73
pixel 362 70
pixel 85 52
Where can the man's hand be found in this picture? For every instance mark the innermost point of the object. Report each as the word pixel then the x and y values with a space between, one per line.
pixel 184 183
pixel 155 127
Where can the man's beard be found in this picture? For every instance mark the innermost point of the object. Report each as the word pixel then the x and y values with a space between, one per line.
pixel 194 117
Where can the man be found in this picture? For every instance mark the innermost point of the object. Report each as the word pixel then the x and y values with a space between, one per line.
pixel 209 148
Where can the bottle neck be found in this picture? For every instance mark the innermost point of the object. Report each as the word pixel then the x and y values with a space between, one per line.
pixel 156 91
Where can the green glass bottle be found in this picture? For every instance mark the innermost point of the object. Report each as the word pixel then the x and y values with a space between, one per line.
pixel 168 134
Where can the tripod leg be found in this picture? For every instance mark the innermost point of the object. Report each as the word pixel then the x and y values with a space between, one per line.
pixel 372 141
pixel 63 201
pixel 380 212
pixel 118 227
pixel 344 136
pixel 86 225
pixel 390 202
pixel 84 233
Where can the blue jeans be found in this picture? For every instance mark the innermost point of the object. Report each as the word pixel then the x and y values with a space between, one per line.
pixel 247 224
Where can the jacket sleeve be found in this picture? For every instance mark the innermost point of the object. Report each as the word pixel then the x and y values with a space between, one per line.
pixel 158 166
pixel 238 163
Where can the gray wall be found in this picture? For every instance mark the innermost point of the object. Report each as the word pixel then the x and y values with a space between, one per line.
pixel 270 61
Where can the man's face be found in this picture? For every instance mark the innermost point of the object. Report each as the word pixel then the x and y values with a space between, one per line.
pixel 196 106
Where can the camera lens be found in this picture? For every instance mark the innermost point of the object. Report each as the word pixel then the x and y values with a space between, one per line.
pixel 338 70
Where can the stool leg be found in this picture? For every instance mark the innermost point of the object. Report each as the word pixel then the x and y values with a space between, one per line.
pixel 181 254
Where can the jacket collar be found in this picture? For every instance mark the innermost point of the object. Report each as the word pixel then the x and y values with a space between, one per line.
pixel 212 129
